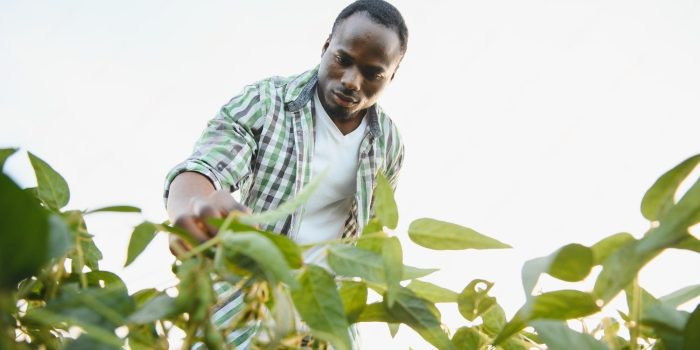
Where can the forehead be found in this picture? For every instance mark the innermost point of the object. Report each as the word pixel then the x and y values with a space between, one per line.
pixel 359 35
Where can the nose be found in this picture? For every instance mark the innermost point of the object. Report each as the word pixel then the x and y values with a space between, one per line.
pixel 351 79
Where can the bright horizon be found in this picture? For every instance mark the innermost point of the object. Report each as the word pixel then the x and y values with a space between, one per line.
pixel 538 124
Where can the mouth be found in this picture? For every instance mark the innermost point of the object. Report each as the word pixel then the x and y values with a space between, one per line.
pixel 343 99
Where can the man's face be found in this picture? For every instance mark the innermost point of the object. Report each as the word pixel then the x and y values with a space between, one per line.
pixel 357 62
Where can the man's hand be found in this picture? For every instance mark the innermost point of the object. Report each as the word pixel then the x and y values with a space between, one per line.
pixel 192 201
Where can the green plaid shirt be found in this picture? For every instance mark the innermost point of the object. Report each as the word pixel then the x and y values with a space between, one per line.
pixel 262 141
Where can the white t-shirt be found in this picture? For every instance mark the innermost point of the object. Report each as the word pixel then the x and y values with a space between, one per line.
pixel 326 211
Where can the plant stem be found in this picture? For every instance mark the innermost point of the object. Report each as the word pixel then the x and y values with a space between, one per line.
pixel 635 313
pixel 202 247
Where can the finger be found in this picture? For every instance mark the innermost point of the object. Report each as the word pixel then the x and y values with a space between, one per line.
pixel 225 201
pixel 189 223
pixel 177 246
pixel 203 211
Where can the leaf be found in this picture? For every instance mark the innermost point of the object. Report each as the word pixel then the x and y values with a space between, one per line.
pixel 376 312
pixel 283 313
pixel 60 241
pixel 570 263
pixel 664 317
pixel 623 265
pixel 688 243
pixel 261 250
pixel 469 339
pixel 49 318
pixel 419 315
pixel 52 188
pixel 350 261
pixel 558 336
pixel 115 209
pixel 25 233
pixel 320 306
pixel 4 154
pixel 373 226
pixel 290 250
pixel 143 235
pixel 354 297
pixel 691 336
pixel 432 293
pixel 474 299
pixel 608 245
pixel 287 208
pixel 393 329
pixel 372 241
pixel 181 233
pixel 384 204
pixel 681 296
pixel 440 235
pixel 659 198
pixel 159 308
pixel 557 305
pixel 392 258
pixel 494 319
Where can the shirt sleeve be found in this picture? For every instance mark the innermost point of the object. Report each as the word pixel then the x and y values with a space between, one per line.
pixel 225 150
pixel 394 160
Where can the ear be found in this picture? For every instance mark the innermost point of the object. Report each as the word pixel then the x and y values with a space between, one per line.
pixel 394 74
pixel 325 45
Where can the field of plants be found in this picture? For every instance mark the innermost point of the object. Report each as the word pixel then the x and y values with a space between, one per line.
pixel 53 294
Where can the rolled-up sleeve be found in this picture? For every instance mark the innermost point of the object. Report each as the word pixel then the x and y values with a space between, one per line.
pixel 225 150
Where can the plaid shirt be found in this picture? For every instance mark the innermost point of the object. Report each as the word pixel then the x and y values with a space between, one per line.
pixel 262 141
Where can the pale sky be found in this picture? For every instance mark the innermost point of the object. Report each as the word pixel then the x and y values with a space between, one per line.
pixel 538 123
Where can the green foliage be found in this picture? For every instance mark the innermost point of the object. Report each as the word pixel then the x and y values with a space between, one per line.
pixel 51 281
pixel 440 235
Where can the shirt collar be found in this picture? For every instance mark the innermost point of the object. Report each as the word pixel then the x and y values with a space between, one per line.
pixel 300 91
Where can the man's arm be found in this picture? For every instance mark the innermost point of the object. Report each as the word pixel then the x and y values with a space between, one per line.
pixel 221 159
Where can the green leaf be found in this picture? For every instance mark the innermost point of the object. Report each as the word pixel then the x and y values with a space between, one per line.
pixel 373 242
pixel 440 235
pixel 558 336
pixel 469 339
pixel 354 297
pixel 432 293
pixel 392 257
pixel 681 296
pixel 608 245
pixel 320 306
pixel 373 226
pixel 115 209
pixel 376 312
pixel 661 316
pixel 350 261
pixel 494 319
pixel 158 308
pixel 418 314
pixel 624 264
pixel 384 203
pixel 60 241
pixel 474 299
pixel 688 243
pixel 25 234
pixel 556 305
pixel 52 187
pixel 393 328
pixel 285 209
pixel 290 250
pixel 143 235
pixel 261 250
pixel 4 154
pixel 181 233
pixel 691 336
pixel 570 263
pixel 659 198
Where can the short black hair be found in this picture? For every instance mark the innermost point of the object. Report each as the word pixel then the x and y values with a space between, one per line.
pixel 381 12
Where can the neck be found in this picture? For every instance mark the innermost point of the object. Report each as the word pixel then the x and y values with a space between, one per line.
pixel 349 125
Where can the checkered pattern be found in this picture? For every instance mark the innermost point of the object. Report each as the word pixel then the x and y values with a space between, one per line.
pixel 261 143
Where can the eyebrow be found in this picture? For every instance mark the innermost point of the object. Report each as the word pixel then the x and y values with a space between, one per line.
pixel 371 67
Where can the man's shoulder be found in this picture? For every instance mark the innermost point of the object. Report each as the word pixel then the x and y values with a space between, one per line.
pixel 387 126
pixel 286 88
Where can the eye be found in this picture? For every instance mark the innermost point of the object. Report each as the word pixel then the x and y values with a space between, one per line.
pixel 342 60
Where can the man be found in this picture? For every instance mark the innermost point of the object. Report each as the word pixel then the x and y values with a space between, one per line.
pixel 280 133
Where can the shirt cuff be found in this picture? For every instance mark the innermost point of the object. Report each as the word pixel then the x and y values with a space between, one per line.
pixel 193 165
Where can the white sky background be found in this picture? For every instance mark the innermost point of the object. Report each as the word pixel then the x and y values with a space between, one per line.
pixel 539 123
